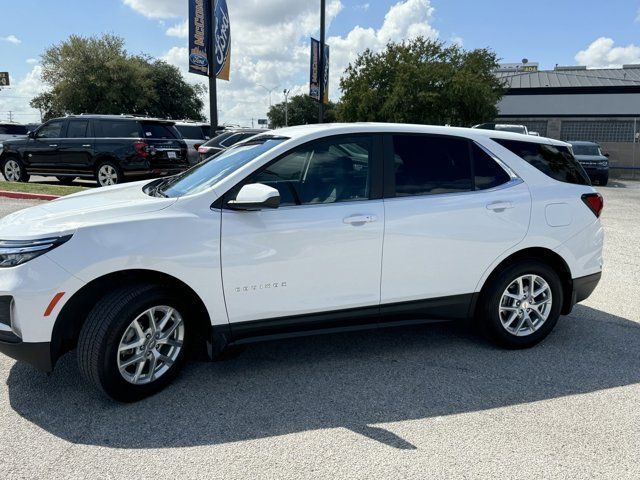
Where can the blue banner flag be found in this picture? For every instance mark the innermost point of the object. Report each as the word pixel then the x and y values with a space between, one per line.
pixel 202 38
pixel 314 74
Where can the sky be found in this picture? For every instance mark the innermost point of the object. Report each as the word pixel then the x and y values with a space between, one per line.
pixel 270 38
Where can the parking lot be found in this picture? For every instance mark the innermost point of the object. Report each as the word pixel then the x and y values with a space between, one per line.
pixel 430 401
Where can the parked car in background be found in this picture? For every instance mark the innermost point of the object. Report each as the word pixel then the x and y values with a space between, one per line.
pixel 590 156
pixel 303 230
pixel 107 148
pixel 225 140
pixel 194 134
pixel 503 127
pixel 10 130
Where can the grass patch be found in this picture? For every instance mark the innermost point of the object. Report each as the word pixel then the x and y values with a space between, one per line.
pixel 41 188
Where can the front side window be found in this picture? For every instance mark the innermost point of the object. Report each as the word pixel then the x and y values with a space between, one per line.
pixel 325 171
pixel 77 129
pixel 206 174
pixel 53 129
pixel 554 161
pixel 427 165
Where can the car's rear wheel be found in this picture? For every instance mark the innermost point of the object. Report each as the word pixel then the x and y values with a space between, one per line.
pixel 13 170
pixel 108 174
pixel 522 304
pixel 66 180
pixel 134 341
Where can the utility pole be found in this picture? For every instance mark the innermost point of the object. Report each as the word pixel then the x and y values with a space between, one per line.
pixel 321 61
pixel 213 94
pixel 286 106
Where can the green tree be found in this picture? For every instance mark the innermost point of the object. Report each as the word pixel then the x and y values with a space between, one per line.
pixel 421 81
pixel 97 75
pixel 303 110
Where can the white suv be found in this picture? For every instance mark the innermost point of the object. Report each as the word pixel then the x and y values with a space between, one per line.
pixel 301 230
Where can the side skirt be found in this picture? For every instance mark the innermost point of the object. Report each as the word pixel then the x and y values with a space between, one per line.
pixel 456 307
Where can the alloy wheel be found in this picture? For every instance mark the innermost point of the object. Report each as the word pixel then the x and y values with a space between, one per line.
pixel 150 345
pixel 107 175
pixel 12 171
pixel 525 305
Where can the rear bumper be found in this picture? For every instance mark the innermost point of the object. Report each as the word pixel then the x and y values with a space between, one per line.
pixel 583 287
pixel 36 354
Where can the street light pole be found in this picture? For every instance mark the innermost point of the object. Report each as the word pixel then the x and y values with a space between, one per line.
pixel 286 106
pixel 268 90
pixel 321 61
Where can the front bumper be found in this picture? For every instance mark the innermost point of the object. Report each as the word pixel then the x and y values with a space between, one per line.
pixel 36 354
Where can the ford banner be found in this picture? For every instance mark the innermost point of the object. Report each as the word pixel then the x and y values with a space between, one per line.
pixel 201 39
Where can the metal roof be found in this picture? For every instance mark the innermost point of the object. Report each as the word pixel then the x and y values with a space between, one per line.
pixel 565 78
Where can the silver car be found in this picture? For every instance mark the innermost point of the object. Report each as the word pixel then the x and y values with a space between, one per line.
pixel 194 134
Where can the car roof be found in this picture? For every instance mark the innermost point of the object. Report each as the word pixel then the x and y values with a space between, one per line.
pixel 119 117
pixel 583 142
pixel 372 127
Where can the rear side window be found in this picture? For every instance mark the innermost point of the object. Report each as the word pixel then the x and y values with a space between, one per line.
pixel 430 165
pixel 78 129
pixel 554 161
pixel 488 174
pixel 159 130
pixel 117 129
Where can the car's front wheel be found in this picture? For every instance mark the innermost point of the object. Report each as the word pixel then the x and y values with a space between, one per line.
pixel 13 170
pixel 134 341
pixel 522 304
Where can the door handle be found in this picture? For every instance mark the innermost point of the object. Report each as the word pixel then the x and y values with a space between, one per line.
pixel 54 145
pixel 87 145
pixel 499 206
pixel 360 219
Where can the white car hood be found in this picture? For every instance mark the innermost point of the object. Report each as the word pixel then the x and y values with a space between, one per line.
pixel 91 207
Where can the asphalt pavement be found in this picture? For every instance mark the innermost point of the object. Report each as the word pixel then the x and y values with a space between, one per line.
pixel 433 401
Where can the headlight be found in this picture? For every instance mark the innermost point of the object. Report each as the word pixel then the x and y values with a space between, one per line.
pixel 16 252
pixel 603 163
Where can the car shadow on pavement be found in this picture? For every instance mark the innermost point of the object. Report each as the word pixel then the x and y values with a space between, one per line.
pixel 353 380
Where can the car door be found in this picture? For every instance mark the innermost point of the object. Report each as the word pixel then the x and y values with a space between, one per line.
pixel 41 152
pixel 451 210
pixel 76 149
pixel 320 251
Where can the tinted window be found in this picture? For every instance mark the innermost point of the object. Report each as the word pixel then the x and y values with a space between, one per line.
pixel 488 173
pixel 430 165
pixel 13 129
pixel 555 161
pixel 208 173
pixel 159 130
pixel 191 131
pixel 592 150
pixel 230 140
pixel 53 129
pixel 77 128
pixel 326 171
pixel 117 129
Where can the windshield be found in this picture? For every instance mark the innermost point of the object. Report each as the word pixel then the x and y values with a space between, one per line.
pixel 210 172
pixel 592 150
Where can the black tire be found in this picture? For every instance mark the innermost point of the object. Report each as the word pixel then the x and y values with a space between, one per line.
pixel 17 169
pixel 604 180
pixel 114 173
pixel 104 328
pixel 66 180
pixel 488 309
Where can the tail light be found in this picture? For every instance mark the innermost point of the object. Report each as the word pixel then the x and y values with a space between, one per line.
pixel 141 149
pixel 197 146
pixel 595 202
pixel 203 149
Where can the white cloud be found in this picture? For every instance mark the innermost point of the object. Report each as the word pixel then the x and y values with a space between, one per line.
pixel 270 46
pixel 603 53
pixel 363 6
pixel 11 39
pixel 458 40
pixel 31 61
pixel 22 91
pixel 180 30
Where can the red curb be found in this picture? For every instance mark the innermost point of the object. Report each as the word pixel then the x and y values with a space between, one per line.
pixel 27 196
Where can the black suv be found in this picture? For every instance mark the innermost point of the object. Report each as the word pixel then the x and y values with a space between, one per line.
pixel 107 148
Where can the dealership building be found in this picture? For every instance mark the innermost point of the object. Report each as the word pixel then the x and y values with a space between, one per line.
pixel 573 103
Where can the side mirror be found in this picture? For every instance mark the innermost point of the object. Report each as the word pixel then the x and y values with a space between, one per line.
pixel 256 196
pixel 31 134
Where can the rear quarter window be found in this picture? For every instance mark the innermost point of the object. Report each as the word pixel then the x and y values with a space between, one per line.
pixel 554 161
pixel 116 129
